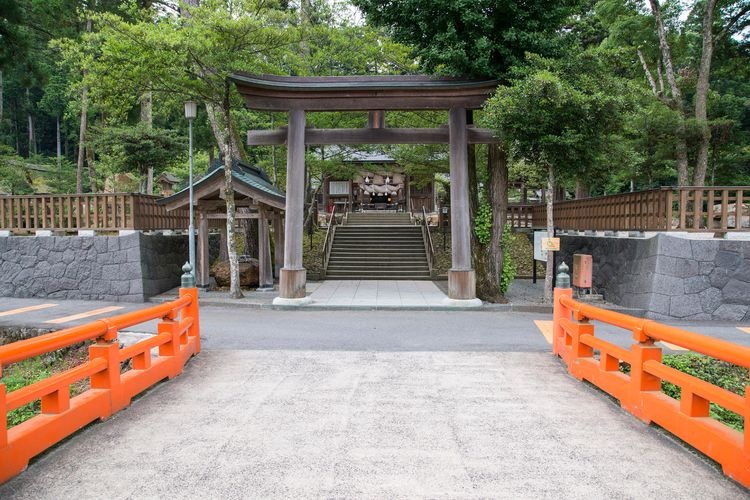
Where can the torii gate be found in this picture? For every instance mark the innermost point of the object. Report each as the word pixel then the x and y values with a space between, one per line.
pixel 375 94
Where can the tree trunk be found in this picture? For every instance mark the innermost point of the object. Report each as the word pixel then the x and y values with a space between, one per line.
pixel 83 127
pixel 92 168
pixel 147 119
pixel 223 134
pixel 681 153
pixel 701 95
pixel 59 146
pixel 150 180
pixel 30 117
pixel 582 189
pixel 497 166
pixel 550 233
pixel 675 102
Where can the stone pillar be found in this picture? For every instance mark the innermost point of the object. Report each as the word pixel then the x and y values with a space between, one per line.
pixel 265 270
pixel 278 244
pixel 203 263
pixel 461 278
pixel 293 276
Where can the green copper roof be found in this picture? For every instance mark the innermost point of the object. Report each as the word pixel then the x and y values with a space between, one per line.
pixel 254 178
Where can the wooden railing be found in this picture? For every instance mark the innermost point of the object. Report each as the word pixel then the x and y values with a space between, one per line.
pixel 696 209
pixel 598 361
pixel 427 237
pixel 103 212
pixel 328 242
pixel 111 388
pixel 520 215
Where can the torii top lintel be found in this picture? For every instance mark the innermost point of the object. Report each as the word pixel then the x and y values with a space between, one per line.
pixel 361 93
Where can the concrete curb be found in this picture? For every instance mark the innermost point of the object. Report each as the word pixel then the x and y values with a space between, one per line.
pixel 485 307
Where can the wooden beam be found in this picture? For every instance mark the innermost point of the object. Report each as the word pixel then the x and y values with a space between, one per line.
pixel 237 215
pixel 337 136
pixel 213 204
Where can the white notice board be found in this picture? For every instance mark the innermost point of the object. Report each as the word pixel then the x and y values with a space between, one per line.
pixel 539 251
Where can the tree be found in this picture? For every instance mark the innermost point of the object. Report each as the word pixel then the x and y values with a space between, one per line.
pixel 664 49
pixel 476 39
pixel 193 56
pixel 140 149
pixel 557 122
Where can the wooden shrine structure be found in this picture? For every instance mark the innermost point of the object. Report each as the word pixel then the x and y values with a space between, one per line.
pixel 255 198
pixel 377 95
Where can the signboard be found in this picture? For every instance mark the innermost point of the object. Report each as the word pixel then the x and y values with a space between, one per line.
pixel 539 252
pixel 544 244
pixel 551 244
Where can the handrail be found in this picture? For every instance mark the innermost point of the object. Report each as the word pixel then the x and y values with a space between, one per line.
pixel 328 242
pixel 111 389
pixel 710 346
pixel 35 346
pixel 428 243
pixel 639 391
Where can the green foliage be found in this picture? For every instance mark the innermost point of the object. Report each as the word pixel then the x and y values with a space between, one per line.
pixel 476 38
pixel 556 115
pixel 725 375
pixel 20 375
pixel 14 179
pixel 483 231
pixel 483 223
pixel 509 265
pixel 135 149
pixel 720 373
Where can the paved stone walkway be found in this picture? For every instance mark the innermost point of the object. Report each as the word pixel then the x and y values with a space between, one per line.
pixel 377 293
pixel 304 424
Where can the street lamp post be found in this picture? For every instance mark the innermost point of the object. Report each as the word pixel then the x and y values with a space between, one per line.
pixel 191 110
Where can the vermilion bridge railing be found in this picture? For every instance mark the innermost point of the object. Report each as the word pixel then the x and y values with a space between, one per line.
pixel 111 388
pixel 639 391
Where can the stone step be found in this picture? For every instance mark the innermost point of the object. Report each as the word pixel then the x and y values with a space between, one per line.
pixel 375 270
pixel 356 246
pixel 377 276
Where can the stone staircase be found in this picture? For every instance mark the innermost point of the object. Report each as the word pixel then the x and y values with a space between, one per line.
pixel 378 246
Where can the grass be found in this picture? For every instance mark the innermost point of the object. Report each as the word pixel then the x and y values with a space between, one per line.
pixel 312 255
pixel 29 371
pixel 719 373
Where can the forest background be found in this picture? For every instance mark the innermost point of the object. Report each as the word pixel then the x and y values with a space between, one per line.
pixel 596 97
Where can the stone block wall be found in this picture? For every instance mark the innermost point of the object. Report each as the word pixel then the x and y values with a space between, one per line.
pixel 127 268
pixel 670 277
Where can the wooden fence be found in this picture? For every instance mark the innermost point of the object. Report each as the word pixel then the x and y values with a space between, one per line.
pixel 102 212
pixel 709 209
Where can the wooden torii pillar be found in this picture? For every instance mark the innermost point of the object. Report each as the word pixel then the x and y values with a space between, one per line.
pixel 293 275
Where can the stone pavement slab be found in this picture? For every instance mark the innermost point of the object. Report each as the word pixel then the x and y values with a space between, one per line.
pixel 289 424
pixel 378 294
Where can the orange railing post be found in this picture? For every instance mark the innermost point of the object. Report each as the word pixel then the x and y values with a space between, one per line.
pixel 640 380
pixel 560 312
pixel 3 415
pixel 107 348
pixel 191 311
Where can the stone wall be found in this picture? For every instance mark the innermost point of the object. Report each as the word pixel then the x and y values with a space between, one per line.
pixel 669 277
pixel 127 268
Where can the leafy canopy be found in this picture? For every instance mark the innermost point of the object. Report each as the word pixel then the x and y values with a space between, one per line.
pixel 473 38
